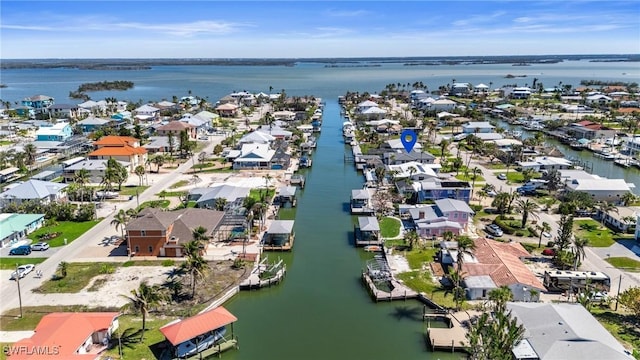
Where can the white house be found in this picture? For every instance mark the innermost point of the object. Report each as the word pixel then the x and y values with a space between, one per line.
pixel 598 99
pixel 477 127
pixel 254 156
pixel 443 105
pixel 365 105
pixel 546 163
pixel 602 189
pixel 146 111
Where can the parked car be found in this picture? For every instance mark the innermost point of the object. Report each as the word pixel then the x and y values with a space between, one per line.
pixel 491 193
pixel 549 252
pixel 41 246
pixel 494 230
pixel 21 250
pixel 22 271
pixel 502 177
pixel 546 234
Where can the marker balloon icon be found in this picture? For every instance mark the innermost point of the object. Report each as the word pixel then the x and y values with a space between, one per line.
pixel 408 139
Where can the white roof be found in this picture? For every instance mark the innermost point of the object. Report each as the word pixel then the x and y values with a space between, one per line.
pixel 368 103
pixel 257 137
pixel 600 184
pixel 448 205
pixel 255 152
pixel 374 110
pixel 396 144
pixel 146 108
pixel 281 227
pixel 479 125
pixel 481 86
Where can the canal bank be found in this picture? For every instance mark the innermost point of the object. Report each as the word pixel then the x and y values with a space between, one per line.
pixel 595 165
pixel 321 310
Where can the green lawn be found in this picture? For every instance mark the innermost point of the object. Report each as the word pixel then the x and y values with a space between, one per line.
pixel 78 277
pixel 287 213
pixel 469 178
pixel 257 194
pixel 155 204
pixel 597 234
pixel 9 263
pixel 389 227
pixel 495 166
pixel 133 190
pixel 69 230
pixel 621 326
pixel 178 184
pixel 149 348
pixel 624 263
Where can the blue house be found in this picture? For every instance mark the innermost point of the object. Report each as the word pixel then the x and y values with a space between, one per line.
pixel 39 103
pixel 92 124
pixel 58 132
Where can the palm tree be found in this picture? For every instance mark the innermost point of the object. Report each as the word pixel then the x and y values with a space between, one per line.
pixel 411 237
pixel 142 299
pixel 465 246
pixel 81 177
pixel 500 297
pixel 267 182
pixel 579 244
pixel 63 266
pixel 605 208
pixel 139 170
pixel 526 208
pixel 195 264
pixel 30 151
pixel 200 233
pixel 120 221
pixel 628 198
pixel 220 203
pixel 545 227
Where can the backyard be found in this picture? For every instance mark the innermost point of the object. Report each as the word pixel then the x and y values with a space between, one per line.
pixel 389 227
pixel 68 230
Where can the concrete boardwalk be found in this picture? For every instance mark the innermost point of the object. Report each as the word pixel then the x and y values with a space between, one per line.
pixel 455 336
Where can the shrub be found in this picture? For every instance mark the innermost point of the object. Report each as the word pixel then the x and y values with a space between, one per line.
pixel 551 243
pixel 167 262
pixel 476 207
pixel 107 269
pixel 519 233
pixel 504 226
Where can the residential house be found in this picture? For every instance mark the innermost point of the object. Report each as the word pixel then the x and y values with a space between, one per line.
pixel 66 111
pixel 206 197
pixel 38 103
pixel 373 113
pixel 442 105
pixel 517 92
pixel 164 233
pixel 434 188
pixel 96 170
pixel 146 112
pixel 175 128
pixel 227 110
pixel 160 144
pixel 589 130
pixel 481 89
pixel 122 148
pixel 397 146
pixel 93 123
pixel 60 131
pixel 598 99
pixel 632 145
pixel 94 107
pixel 565 331
pixel 44 192
pixel 254 156
pixel 365 105
pixel 79 335
pixel 502 263
pixel 367 232
pixel 411 170
pixel 541 163
pixel 475 127
pixel 256 137
pixel 8 174
pixel 602 189
pixel 284 115
pixel 279 235
pixel 622 220
pixel 200 125
pixel 208 116
pixel 403 157
pixel 275 131
pixel 460 89
pixel 15 227
pixel 167 105
pixel 445 215
pixel 361 201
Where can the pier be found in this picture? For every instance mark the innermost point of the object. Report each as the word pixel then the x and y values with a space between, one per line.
pixel 398 291
pixel 255 280
pixel 453 337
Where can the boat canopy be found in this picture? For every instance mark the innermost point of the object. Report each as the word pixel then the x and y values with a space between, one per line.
pixel 187 329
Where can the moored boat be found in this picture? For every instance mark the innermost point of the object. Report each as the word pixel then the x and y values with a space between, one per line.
pixel 373 248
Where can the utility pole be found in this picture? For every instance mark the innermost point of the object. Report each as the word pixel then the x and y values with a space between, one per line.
pixel 20 293
pixel 618 295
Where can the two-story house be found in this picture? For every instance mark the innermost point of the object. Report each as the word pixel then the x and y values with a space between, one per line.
pixel 164 233
pixel 445 215
pixel 175 128
pixel 57 132
pixel 122 148
pixel 39 103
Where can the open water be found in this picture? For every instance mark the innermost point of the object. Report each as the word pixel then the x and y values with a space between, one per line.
pixel 321 310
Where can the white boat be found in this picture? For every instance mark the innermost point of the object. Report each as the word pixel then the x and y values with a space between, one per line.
pixel 106 194
pixel 200 343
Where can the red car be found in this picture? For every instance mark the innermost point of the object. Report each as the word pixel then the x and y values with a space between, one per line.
pixel 549 252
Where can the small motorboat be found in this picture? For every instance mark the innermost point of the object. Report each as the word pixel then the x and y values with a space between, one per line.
pixel 373 248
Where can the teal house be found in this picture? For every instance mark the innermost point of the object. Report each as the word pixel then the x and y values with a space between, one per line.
pixel 39 103
pixel 58 132
pixel 14 227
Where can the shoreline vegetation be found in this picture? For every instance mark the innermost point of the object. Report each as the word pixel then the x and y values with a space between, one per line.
pixel 147 64
pixel 119 85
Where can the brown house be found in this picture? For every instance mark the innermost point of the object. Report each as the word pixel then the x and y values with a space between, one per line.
pixel 163 233
pixel 176 127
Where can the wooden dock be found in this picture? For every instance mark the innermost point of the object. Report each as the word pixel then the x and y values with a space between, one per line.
pixel 454 337
pixel 399 291
pixel 255 282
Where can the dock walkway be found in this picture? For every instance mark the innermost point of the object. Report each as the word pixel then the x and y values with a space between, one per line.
pixel 398 290
pixel 453 337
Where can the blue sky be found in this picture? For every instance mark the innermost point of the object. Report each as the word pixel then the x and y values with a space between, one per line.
pixel 266 29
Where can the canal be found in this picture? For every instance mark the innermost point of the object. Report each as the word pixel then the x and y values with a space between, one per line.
pixel 594 164
pixel 321 310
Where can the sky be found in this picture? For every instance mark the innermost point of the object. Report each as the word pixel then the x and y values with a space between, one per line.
pixel 311 29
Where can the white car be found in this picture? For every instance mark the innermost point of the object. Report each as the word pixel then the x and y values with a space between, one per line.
pixel 41 246
pixel 502 177
pixel 22 271
pixel 546 234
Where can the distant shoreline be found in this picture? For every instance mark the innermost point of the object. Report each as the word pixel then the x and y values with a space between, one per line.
pixel 146 64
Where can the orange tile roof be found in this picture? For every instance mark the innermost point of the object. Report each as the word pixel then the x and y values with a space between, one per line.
pixel 189 328
pixel 111 140
pixel 61 334
pixel 118 151
pixel 501 261
pixel 628 110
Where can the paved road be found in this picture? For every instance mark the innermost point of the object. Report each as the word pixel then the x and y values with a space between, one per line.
pixel 8 288
pixel 594 260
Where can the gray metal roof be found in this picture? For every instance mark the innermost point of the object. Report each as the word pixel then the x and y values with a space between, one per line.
pixel 479 282
pixel 368 223
pixel 566 331
pixel 92 165
pixel 287 191
pixel 448 205
pixel 360 194
pixel 33 189
pixel 281 227
pixel 228 192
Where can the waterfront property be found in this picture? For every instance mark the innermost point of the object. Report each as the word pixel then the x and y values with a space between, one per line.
pixel 361 201
pixel 279 236
pixel 121 148
pixel 436 188
pixel 563 331
pixel 83 335
pixel 164 233
pixel 286 196
pixel 15 227
pixel 622 220
pixel 445 215
pixel 96 169
pixel 367 232
pixel 207 198
pixel 59 131
pixel 601 189
pixel 44 192
pixel 546 163
pixel 252 156
pixel 502 263
pixel 204 334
